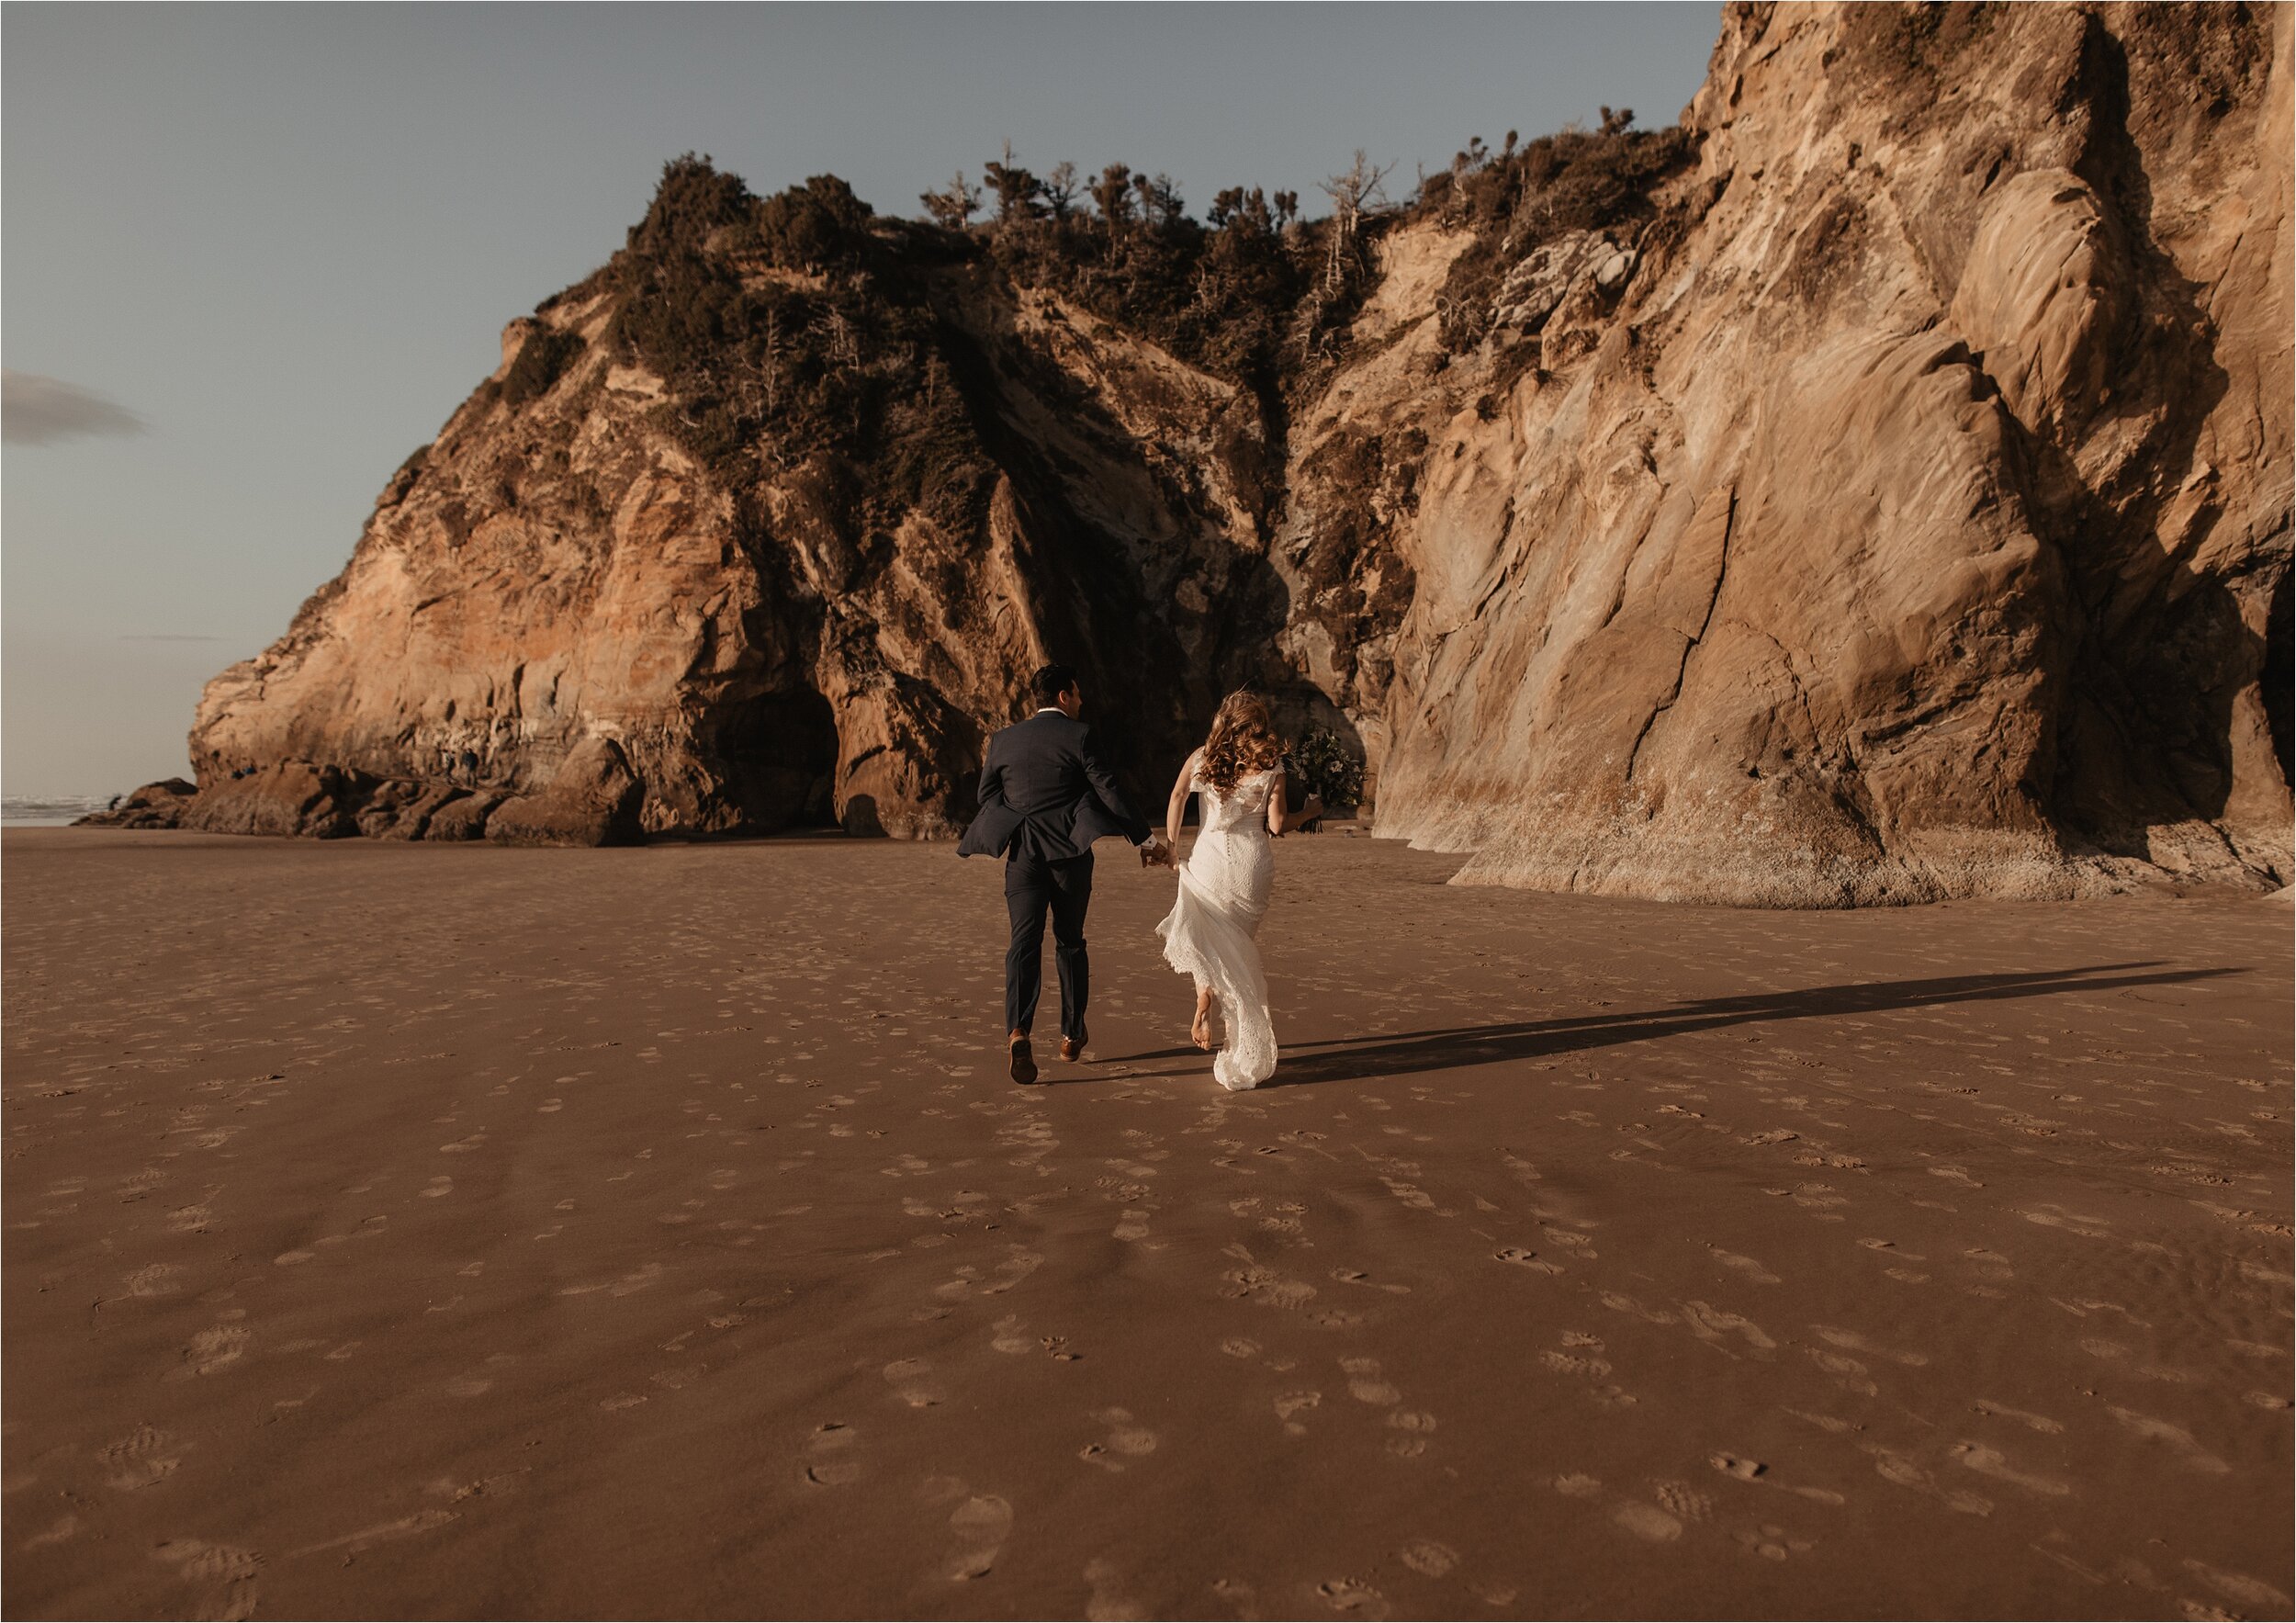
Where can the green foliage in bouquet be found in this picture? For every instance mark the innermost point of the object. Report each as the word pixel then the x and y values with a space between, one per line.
pixel 1321 765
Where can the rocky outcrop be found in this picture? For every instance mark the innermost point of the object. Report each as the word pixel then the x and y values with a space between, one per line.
pixel 1875 489
pixel 591 799
pixel 1917 520
pixel 774 638
pixel 155 806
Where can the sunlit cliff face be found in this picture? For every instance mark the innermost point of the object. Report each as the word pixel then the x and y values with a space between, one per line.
pixel 1875 489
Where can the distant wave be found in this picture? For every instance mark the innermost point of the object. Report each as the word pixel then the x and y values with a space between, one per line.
pixel 50 808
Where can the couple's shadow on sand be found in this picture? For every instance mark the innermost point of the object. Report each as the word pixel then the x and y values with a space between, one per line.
pixel 1352 1059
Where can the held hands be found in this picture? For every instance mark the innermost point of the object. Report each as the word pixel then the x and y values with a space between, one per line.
pixel 1154 853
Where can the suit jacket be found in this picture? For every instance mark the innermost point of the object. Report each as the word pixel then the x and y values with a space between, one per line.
pixel 1045 793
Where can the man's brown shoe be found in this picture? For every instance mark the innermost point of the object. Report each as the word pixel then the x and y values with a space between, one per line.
pixel 1073 1048
pixel 1023 1059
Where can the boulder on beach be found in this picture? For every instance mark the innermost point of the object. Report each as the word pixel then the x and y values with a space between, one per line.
pixel 593 799
pixel 155 806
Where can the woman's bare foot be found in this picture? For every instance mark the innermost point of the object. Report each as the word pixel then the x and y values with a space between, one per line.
pixel 1201 1030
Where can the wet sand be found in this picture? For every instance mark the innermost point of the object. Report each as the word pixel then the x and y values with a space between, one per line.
pixel 432 1232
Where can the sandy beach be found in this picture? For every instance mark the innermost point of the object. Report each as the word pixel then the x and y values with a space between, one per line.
pixel 430 1231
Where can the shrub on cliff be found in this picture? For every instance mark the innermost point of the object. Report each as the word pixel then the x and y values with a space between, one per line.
pixel 542 360
pixel 786 330
pixel 817 227
pixel 1223 294
pixel 1516 199
pixel 693 199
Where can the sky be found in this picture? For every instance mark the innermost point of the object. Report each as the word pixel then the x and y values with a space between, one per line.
pixel 251 257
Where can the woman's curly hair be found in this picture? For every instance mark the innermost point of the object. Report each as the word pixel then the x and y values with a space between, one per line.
pixel 1242 742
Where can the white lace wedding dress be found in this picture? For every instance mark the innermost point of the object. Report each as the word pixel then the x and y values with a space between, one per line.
pixel 1212 932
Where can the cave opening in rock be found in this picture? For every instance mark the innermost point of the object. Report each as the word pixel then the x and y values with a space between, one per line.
pixel 777 753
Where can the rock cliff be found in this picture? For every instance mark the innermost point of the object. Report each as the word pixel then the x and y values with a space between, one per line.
pixel 1875 488
pixel 1915 524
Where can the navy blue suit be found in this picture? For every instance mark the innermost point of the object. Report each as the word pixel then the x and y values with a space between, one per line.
pixel 1045 796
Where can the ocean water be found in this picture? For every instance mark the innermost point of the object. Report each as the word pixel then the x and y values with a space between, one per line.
pixel 49 811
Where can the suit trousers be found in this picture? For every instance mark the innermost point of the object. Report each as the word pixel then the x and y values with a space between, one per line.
pixel 1033 886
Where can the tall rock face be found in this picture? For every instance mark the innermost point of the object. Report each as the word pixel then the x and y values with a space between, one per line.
pixel 1916 520
pixel 1876 489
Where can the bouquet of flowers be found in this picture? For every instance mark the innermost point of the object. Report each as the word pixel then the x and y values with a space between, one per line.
pixel 1319 764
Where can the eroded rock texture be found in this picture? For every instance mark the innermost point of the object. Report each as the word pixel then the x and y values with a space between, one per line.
pixel 781 635
pixel 1877 490
pixel 1914 526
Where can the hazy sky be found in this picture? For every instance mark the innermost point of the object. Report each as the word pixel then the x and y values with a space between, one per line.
pixel 264 251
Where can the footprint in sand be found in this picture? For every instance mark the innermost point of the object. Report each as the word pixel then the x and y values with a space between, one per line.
pixel 1296 1402
pixel 1992 1462
pixel 1237 1594
pixel 2178 1441
pixel 1353 1596
pixel 981 1524
pixel 1125 1441
pixel 827 1455
pixel 1584 1364
pixel 156 1280
pixel 1577 1484
pixel 1894 1467
pixel 1848 1373
pixel 2037 1422
pixel 193 1219
pixel 141 1457
pixel 1265 1287
pixel 217 1349
pixel 1414 1423
pixel 1109 1601
pixel 1853 1342
pixel 1018 1264
pixel 1746 1266
pixel 223 1576
pixel 2051 1215
pixel 1682 1499
pixel 1771 1542
pixel 1363 1384
pixel 1618 1302
pixel 1647 1522
pixel 912 1382
pixel 1744 1470
pixel 1580 1246
pixel 2238 1587
pixel 57 1532
pixel 1529 1259
pixel 1427 1557
pixel 1566 1364
pixel 1714 1326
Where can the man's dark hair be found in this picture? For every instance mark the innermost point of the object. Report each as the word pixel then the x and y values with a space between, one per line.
pixel 1051 683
